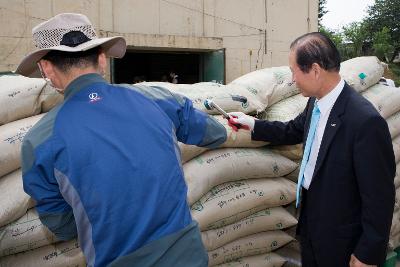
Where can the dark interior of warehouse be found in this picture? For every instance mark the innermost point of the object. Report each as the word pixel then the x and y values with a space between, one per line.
pixel 138 66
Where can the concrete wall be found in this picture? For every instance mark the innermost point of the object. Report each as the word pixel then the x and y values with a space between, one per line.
pixel 255 33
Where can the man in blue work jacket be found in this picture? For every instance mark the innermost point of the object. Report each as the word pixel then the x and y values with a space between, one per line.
pixel 105 165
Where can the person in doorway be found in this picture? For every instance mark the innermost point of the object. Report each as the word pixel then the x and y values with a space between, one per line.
pixel 173 77
pixel 345 184
pixel 104 165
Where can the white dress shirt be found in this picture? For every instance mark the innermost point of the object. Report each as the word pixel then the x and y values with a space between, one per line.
pixel 325 105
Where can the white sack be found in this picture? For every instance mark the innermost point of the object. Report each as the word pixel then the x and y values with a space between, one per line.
pixel 292 152
pixel 189 152
pixel 230 164
pixel 256 244
pixel 226 96
pixel 65 254
pixel 228 203
pixel 26 233
pixel 394 124
pixel 14 202
pixel 286 109
pixel 11 136
pixel 49 98
pixel 264 260
pixel 241 138
pixel 385 99
pixel 269 219
pixel 270 85
pixel 352 68
pixel 22 97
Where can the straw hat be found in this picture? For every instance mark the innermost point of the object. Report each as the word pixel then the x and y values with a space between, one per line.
pixel 67 32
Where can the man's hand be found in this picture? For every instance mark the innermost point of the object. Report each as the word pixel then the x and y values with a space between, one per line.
pixel 246 122
pixel 354 262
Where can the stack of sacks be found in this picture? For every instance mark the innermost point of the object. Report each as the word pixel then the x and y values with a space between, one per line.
pixel 287 110
pixel 386 100
pixel 24 241
pixel 22 97
pixel 269 85
pixel 394 128
pixel 60 254
pixel 265 260
pixel 260 89
pixel 229 97
pixel 361 73
pixel 235 139
pixel 237 192
pixel 272 85
pixel 236 196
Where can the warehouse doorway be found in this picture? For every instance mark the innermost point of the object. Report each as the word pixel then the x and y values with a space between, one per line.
pixel 152 65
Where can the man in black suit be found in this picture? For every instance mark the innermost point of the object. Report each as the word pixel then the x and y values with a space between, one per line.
pixel 347 190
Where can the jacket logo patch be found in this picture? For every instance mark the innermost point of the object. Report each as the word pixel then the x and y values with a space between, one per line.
pixel 94 97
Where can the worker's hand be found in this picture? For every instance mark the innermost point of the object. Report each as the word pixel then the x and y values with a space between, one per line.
pixel 242 120
pixel 354 262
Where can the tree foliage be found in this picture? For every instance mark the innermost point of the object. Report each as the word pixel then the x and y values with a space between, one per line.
pixel 382 44
pixel 385 13
pixel 336 37
pixel 345 48
pixel 355 35
pixel 321 11
pixel 377 34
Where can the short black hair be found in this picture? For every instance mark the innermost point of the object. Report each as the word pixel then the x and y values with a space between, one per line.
pixel 64 61
pixel 316 47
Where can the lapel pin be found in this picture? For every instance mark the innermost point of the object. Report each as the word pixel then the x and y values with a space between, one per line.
pixel 333 124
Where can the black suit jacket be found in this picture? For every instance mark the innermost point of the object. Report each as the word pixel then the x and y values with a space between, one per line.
pixel 348 207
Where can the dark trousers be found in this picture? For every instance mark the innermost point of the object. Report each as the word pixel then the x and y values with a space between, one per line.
pixel 325 250
pixel 307 253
